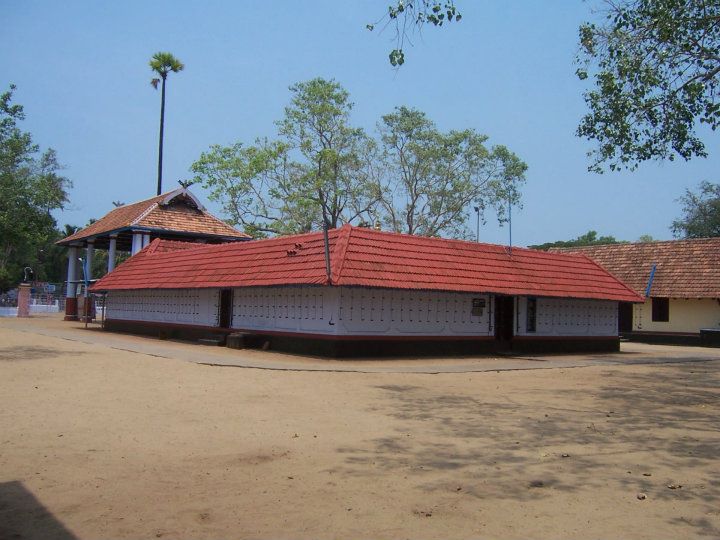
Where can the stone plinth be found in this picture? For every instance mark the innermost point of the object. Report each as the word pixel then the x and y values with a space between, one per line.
pixel 23 309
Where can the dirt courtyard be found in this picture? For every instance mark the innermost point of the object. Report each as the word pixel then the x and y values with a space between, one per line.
pixel 101 442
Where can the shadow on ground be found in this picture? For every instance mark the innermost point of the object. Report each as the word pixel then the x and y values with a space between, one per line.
pixel 14 354
pixel 23 517
pixel 504 447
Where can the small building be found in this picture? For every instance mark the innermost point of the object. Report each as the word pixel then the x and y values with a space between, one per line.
pixel 679 279
pixel 376 293
pixel 176 215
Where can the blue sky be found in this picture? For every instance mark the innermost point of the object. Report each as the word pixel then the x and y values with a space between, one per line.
pixel 505 70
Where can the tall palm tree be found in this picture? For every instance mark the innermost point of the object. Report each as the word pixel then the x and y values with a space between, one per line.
pixel 163 63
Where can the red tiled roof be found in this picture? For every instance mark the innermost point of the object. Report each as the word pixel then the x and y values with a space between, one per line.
pixel 684 268
pixel 172 211
pixel 365 257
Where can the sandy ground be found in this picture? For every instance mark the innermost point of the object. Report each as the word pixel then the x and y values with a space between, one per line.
pixel 100 442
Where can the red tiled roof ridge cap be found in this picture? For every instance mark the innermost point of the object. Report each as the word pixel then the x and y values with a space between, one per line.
pixel 619 245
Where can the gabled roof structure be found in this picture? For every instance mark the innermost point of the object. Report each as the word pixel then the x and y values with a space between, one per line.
pixel 177 213
pixel 684 268
pixel 365 257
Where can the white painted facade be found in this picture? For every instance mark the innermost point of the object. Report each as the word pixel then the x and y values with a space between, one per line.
pixel 344 311
pixel 568 317
pixel 178 306
pixel 359 311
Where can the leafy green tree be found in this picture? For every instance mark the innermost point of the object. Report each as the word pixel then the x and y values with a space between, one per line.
pixel 322 170
pixel 51 262
pixel 408 16
pixel 646 238
pixel 655 65
pixel 701 211
pixel 432 178
pixel 317 172
pixel 590 238
pixel 163 63
pixel 31 188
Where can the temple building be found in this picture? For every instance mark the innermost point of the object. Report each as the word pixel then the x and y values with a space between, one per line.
pixel 367 292
pixel 176 215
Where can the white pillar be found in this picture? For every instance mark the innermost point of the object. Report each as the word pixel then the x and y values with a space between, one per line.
pixel 111 253
pixel 89 252
pixel 72 260
pixel 146 240
pixel 136 243
pixel 78 276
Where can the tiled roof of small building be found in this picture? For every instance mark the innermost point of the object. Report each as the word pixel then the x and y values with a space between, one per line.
pixel 365 257
pixel 175 211
pixel 684 268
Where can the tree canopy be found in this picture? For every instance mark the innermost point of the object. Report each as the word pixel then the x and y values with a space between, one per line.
pixel 590 238
pixel 321 169
pixel 316 172
pixel 655 69
pixel 701 213
pixel 164 63
pixel 32 187
pixel 432 177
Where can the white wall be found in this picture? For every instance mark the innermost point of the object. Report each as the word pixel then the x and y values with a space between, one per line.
pixel 569 317
pixel 361 311
pixel 179 306
pixel 358 311
pixel 686 315
pixel 286 309
pixel 403 312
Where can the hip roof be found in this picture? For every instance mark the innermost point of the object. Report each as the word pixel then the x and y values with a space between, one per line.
pixel 369 258
pixel 176 211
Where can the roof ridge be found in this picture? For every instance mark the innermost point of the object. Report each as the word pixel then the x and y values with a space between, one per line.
pixel 637 244
pixel 152 247
pixel 162 195
pixel 144 213
pixel 338 255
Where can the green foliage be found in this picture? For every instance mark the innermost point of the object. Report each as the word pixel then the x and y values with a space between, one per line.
pixel 590 238
pixel 31 188
pixel 701 211
pixel 655 65
pixel 317 172
pixel 414 179
pixel 410 15
pixel 163 63
pixel 432 177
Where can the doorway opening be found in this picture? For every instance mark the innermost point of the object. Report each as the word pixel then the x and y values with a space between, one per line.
pixel 504 318
pixel 625 317
pixel 226 304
